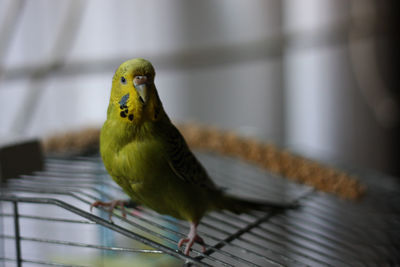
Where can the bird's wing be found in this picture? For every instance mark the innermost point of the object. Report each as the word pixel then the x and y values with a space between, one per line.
pixel 182 161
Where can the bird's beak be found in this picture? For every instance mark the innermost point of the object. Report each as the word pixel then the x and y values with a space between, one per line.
pixel 140 83
pixel 142 91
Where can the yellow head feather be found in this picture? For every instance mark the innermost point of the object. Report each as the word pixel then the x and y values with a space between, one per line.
pixel 134 97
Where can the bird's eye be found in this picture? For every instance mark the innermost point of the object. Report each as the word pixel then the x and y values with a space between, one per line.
pixel 123 80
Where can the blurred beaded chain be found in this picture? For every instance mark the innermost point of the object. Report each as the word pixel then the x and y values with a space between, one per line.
pixel 264 155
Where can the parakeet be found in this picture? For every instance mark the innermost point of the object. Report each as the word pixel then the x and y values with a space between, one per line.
pixel 147 156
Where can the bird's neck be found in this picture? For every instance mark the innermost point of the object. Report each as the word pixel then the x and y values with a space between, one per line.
pixel 121 132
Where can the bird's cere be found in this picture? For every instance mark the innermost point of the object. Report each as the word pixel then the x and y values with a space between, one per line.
pixel 139 80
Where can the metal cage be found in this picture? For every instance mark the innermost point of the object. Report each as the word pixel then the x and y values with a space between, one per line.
pixel 46 221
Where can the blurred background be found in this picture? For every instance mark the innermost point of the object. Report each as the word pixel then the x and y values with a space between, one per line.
pixel 318 76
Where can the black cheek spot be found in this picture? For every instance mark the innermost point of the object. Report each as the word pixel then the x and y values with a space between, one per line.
pixel 122 114
pixel 131 117
pixel 157 111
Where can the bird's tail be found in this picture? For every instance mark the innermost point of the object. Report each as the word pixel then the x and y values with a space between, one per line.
pixel 240 205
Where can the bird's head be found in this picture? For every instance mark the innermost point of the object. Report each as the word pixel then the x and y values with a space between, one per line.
pixel 134 97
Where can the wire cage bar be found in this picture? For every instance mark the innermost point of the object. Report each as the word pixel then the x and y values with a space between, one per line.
pixel 46 221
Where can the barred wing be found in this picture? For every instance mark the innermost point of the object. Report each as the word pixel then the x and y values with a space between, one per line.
pixel 182 161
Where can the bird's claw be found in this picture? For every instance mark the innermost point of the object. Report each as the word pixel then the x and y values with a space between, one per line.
pixel 112 205
pixel 190 241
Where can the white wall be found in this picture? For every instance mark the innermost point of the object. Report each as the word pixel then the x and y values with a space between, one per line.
pixel 242 95
pixel 279 70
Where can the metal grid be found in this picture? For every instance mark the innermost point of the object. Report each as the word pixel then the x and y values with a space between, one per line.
pixel 46 221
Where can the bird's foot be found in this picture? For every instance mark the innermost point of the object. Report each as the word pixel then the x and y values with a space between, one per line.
pixel 191 238
pixel 112 205
pixel 190 241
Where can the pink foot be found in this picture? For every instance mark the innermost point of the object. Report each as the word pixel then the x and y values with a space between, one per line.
pixel 112 204
pixel 191 238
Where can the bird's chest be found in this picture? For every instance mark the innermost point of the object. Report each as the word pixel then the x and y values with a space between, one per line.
pixel 139 166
